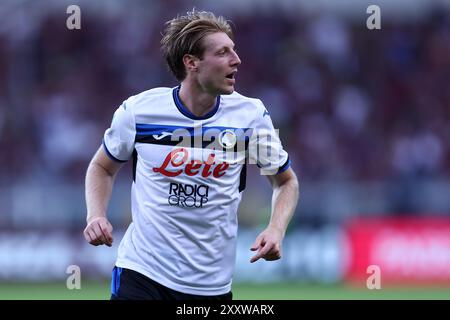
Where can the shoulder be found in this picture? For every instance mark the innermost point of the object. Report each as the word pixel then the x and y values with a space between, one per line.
pixel 155 95
pixel 237 98
pixel 253 106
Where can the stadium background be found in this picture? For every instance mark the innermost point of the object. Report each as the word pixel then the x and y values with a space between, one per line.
pixel 364 115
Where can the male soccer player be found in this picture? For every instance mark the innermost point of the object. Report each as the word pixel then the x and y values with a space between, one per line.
pixel 187 145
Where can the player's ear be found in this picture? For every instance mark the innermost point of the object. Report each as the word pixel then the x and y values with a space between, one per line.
pixel 190 62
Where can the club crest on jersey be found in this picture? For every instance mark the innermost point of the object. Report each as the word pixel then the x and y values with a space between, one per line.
pixel 227 139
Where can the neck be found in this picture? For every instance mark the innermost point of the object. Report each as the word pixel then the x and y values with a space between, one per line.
pixel 196 100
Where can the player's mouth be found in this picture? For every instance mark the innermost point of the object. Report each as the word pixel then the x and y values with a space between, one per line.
pixel 230 77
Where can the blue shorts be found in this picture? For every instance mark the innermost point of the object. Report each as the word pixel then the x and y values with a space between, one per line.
pixel 127 284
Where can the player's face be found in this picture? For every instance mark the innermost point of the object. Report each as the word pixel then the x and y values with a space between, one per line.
pixel 217 68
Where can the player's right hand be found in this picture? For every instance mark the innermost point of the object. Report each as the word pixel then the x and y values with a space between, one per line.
pixel 99 231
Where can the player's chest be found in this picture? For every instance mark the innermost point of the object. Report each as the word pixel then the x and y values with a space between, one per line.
pixel 202 151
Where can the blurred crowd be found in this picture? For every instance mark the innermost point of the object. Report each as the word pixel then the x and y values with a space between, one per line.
pixel 350 103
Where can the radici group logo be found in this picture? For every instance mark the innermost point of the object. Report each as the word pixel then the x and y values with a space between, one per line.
pixel 188 195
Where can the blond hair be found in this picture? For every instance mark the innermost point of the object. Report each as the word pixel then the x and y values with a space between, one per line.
pixel 183 35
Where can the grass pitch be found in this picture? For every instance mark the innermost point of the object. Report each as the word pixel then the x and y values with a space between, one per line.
pixel 91 290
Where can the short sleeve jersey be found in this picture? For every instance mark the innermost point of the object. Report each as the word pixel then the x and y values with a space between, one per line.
pixel 189 174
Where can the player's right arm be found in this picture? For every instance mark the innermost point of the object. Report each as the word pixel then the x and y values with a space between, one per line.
pixel 100 177
pixel 117 148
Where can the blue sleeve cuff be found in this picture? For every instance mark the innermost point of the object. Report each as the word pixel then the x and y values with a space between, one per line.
pixel 285 166
pixel 109 153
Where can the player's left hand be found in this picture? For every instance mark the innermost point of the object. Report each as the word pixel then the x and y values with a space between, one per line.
pixel 268 245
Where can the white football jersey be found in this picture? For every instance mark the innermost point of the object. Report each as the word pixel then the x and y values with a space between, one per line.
pixel 189 173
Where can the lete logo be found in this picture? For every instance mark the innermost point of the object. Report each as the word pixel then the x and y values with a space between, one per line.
pixel 178 157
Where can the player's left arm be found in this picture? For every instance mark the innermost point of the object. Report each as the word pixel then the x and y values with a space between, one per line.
pixel 268 244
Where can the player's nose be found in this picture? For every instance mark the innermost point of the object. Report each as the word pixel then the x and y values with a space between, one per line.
pixel 235 60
